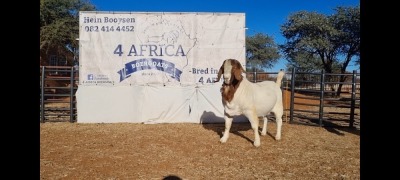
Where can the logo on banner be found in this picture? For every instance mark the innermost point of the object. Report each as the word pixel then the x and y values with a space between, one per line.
pixel 90 77
pixel 149 63
pixel 98 79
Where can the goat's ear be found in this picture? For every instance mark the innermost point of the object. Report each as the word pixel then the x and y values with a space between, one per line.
pixel 241 67
pixel 238 70
pixel 221 70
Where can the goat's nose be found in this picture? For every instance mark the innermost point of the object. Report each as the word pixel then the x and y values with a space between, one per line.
pixel 226 80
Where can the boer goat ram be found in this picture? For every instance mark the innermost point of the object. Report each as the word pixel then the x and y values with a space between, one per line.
pixel 240 96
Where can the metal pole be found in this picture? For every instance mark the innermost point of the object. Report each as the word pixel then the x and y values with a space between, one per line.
pixel 71 104
pixel 321 98
pixel 292 94
pixel 353 98
pixel 284 93
pixel 42 96
pixel 254 75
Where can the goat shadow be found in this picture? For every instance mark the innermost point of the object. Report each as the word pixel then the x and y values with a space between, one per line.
pixel 210 121
pixel 172 177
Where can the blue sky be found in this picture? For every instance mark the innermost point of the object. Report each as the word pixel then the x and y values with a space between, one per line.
pixel 265 16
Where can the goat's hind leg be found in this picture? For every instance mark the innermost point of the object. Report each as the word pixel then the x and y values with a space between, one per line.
pixel 228 124
pixel 265 125
pixel 278 116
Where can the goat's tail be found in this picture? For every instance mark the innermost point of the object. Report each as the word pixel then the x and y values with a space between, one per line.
pixel 279 78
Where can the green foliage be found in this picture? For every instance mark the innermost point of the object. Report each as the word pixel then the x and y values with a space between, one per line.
pixel 59 24
pixel 261 52
pixel 304 62
pixel 347 20
pixel 317 41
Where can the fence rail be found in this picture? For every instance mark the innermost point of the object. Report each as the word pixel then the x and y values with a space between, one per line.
pixel 318 98
pixel 58 85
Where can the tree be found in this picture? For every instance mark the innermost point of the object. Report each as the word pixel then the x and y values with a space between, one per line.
pixel 329 42
pixel 347 20
pixel 303 62
pixel 330 39
pixel 261 52
pixel 59 25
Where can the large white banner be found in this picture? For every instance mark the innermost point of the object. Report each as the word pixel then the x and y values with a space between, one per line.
pixel 125 48
pixel 155 67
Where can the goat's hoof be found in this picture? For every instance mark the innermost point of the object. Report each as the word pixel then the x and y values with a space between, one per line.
pixel 263 133
pixel 277 138
pixel 223 140
pixel 257 143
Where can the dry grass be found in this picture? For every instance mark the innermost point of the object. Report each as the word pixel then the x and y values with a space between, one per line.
pixel 193 151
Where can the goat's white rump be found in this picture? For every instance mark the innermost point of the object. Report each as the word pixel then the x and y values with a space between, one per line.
pixel 254 100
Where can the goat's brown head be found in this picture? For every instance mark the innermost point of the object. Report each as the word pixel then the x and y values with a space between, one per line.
pixel 231 70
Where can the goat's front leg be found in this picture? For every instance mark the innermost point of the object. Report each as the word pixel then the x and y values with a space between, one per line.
pixel 228 124
pixel 252 116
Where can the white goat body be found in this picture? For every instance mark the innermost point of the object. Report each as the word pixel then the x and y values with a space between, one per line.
pixel 253 100
pixel 254 95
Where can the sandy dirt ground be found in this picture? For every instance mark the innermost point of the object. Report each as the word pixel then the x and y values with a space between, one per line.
pixel 193 151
